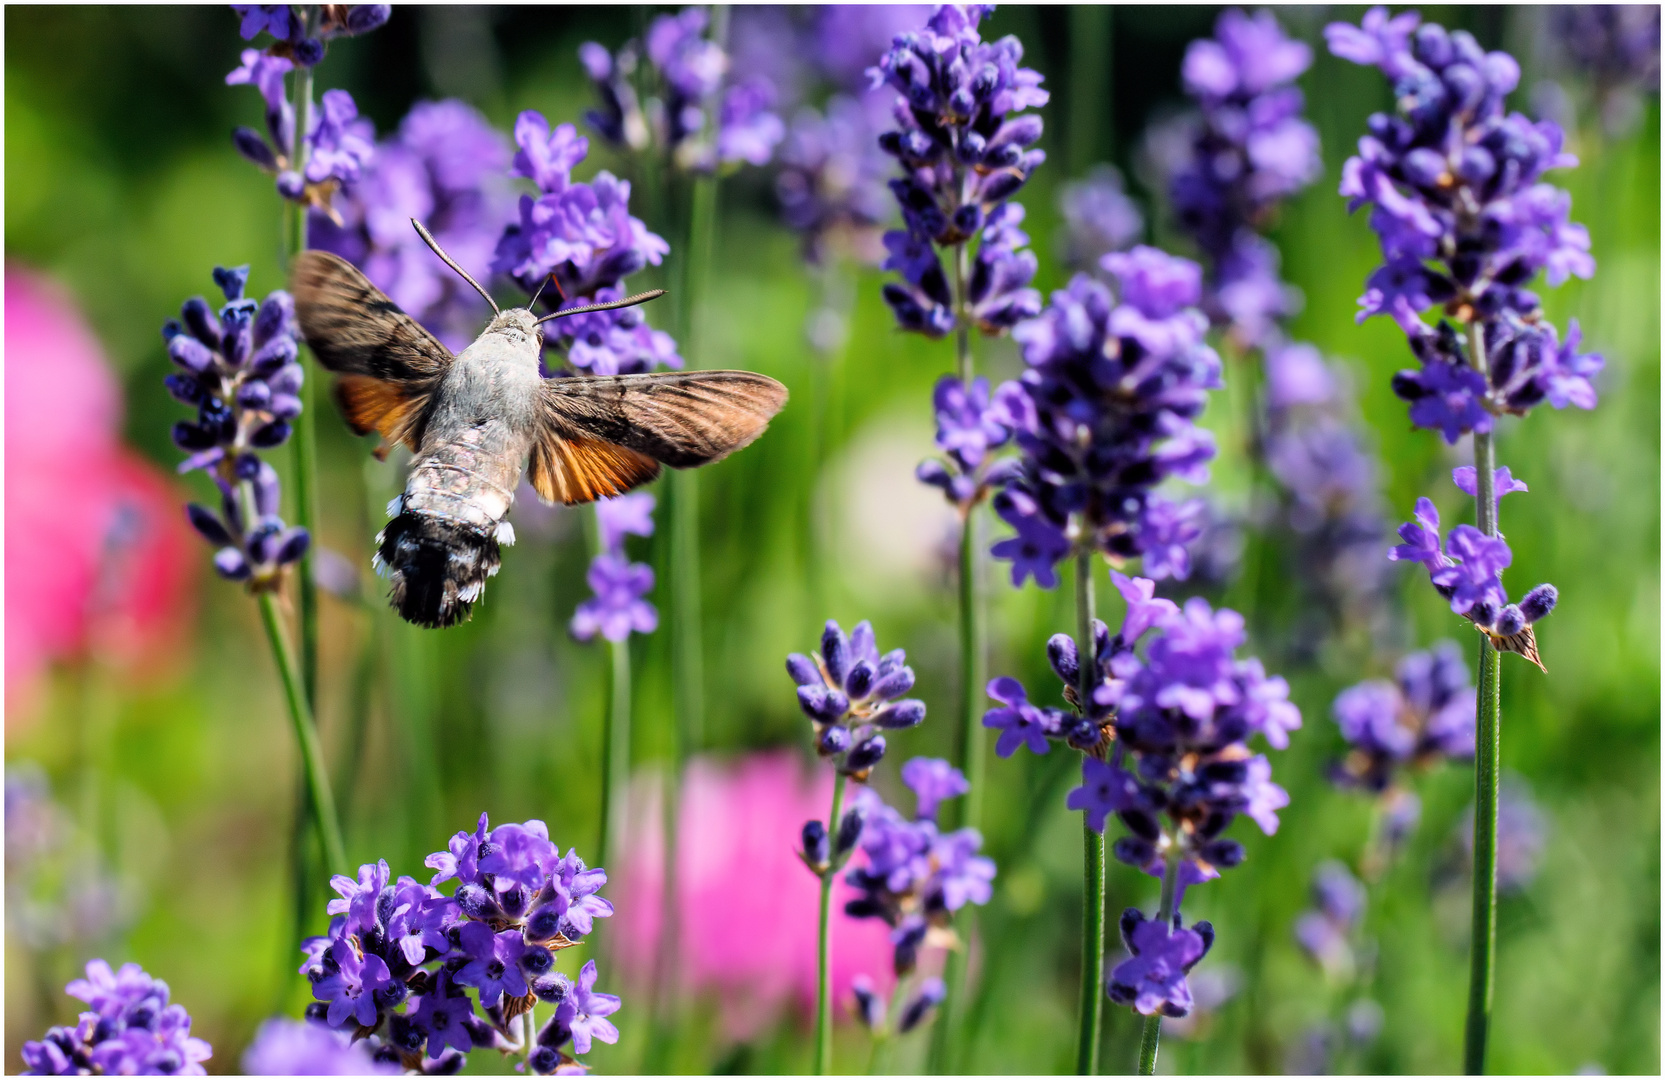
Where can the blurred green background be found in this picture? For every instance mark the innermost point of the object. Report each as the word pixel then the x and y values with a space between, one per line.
pixel 122 184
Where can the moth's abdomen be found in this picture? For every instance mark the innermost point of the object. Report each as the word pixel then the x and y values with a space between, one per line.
pixel 448 527
pixel 436 566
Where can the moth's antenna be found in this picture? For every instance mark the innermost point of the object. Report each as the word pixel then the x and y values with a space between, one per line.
pixel 434 244
pixel 533 302
pixel 611 305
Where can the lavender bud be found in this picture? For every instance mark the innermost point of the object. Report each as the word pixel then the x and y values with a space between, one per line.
pixel 274 434
pixel 866 754
pixel 363 18
pixel 536 961
pixel 1061 654
pixel 835 652
pixel 803 670
pixel 206 523
pixel 1510 621
pixel 190 354
pixel 816 851
pixel 859 682
pixel 822 704
pixel 290 185
pixel 870 1007
pixel 254 394
pixel 903 714
pixel 552 988
pixel 931 994
pixel 232 281
pixel 849 831
pixel 544 924
pixel 201 322
pixel 1539 602
pixel 833 741
pixel 893 684
pixel 248 142
pixel 230 564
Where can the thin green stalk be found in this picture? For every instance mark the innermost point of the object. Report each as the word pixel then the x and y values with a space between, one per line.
pixel 973 750
pixel 1487 756
pixel 305 435
pixel 1151 1040
pixel 1092 877
pixel 615 750
pixel 306 735
pixel 306 468
pixel 823 947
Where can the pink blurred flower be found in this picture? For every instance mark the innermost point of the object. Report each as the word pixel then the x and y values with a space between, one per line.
pixel 747 903
pixel 98 555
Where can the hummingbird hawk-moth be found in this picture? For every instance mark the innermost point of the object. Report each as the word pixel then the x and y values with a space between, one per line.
pixel 476 420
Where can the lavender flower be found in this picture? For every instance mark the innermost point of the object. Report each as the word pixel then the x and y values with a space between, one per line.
pixel 851 694
pixel 964 153
pixel 339 143
pixel 617 608
pixel 1113 390
pixel 583 234
pixel 1468 571
pixel 1099 218
pixel 915 877
pixel 1326 931
pixel 445 168
pixel 1426 713
pixel 1316 449
pixel 308 1048
pixel 401 957
pixel 131 1029
pixel 288 26
pixel 1247 151
pixel 1465 222
pixel 970 428
pixel 1165 742
pixel 239 370
pixel 1616 47
pixel 705 120
pixel 1152 980
pixel 831 185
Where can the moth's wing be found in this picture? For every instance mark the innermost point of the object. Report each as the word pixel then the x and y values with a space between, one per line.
pixel 604 435
pixel 389 365
pixel 682 419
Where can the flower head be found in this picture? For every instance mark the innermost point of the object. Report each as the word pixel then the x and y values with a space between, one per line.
pixel 239 369
pixel 851 693
pixel 131 1030
pixel 1152 980
pixel 1465 222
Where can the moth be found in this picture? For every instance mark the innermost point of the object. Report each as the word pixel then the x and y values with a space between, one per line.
pixel 475 421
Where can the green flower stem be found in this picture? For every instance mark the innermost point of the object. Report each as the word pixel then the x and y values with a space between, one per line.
pixel 1151 1040
pixel 1488 742
pixel 306 470
pixel 305 436
pixel 306 735
pixel 823 947
pixel 973 749
pixel 1092 877
pixel 615 751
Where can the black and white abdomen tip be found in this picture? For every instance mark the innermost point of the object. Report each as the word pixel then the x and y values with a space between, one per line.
pixel 436 566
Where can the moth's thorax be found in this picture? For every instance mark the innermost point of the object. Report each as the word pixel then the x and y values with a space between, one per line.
pixel 481 427
pixel 517 326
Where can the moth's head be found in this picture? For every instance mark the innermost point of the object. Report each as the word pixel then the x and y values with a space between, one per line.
pixel 517 324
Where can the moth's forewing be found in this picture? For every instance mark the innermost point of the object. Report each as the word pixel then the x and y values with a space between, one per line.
pixel 389 363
